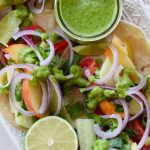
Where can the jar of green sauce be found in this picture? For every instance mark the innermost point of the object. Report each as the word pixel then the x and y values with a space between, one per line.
pixel 88 20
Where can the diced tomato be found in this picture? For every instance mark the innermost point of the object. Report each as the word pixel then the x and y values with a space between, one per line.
pixel 145 148
pixel 138 128
pixel 90 64
pixel 60 47
pixel 34 27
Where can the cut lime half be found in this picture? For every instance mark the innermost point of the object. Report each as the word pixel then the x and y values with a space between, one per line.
pixel 51 133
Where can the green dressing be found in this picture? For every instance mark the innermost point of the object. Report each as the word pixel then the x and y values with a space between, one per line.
pixel 88 18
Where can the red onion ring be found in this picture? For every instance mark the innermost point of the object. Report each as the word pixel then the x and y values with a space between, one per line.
pixel 48 60
pixel 147 129
pixel 108 135
pixel 126 111
pixel 102 86
pixel 113 68
pixel 44 104
pixel 141 104
pixel 58 92
pixel 141 84
pixel 31 44
pixel 117 73
pixel 13 85
pixel 49 92
pixel 61 34
pixel 26 32
pixel 35 10
pixel 12 67
pixel 87 73
pixel 7 56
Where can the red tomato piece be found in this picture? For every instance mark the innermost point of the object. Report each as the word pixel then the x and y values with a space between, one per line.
pixel 60 47
pixel 138 128
pixel 90 64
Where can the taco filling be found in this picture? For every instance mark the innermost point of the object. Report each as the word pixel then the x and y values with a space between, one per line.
pixel 99 88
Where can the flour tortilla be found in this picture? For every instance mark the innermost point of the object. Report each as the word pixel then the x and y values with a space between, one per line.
pixel 139 44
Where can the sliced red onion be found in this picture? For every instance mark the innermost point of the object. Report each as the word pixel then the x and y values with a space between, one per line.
pixel 26 32
pixel 11 68
pixel 141 84
pixel 36 10
pixel 141 105
pixel 44 104
pixel 59 94
pixel 87 73
pixel 31 44
pixel 108 87
pixel 117 73
pixel 61 34
pixel 48 60
pixel 102 86
pixel 113 68
pixel 126 111
pixel 16 80
pixel 49 92
pixel 7 56
pixel 108 135
pixel 147 129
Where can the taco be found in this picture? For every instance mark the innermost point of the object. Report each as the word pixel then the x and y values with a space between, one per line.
pixel 105 83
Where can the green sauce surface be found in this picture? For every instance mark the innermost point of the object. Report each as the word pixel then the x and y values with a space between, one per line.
pixel 87 18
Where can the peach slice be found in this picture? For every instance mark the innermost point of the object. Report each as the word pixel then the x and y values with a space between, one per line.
pixel 14 51
pixel 32 95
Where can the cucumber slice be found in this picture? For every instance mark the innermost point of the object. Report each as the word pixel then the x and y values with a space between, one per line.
pixel 85 133
pixel 133 146
pixel 147 142
pixel 21 120
pixel 134 107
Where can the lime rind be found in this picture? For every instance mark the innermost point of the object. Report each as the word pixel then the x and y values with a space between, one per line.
pixel 46 119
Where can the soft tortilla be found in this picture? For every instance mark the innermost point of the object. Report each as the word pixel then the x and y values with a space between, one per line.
pixel 138 42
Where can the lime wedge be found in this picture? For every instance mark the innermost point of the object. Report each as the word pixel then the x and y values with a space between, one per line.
pixel 9 25
pixel 91 49
pixel 51 133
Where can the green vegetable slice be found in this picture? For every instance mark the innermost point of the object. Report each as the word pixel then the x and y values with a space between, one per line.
pixel 9 25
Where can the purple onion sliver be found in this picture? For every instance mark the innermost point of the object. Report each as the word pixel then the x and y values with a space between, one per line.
pixel 30 43
pixel 116 75
pixel 147 129
pixel 26 32
pixel 11 68
pixel 48 60
pixel 108 135
pixel 59 94
pixel 126 111
pixel 87 73
pixel 61 34
pixel 113 68
pixel 36 10
pixel 49 92
pixel 16 80
pixel 141 84
pixel 44 101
